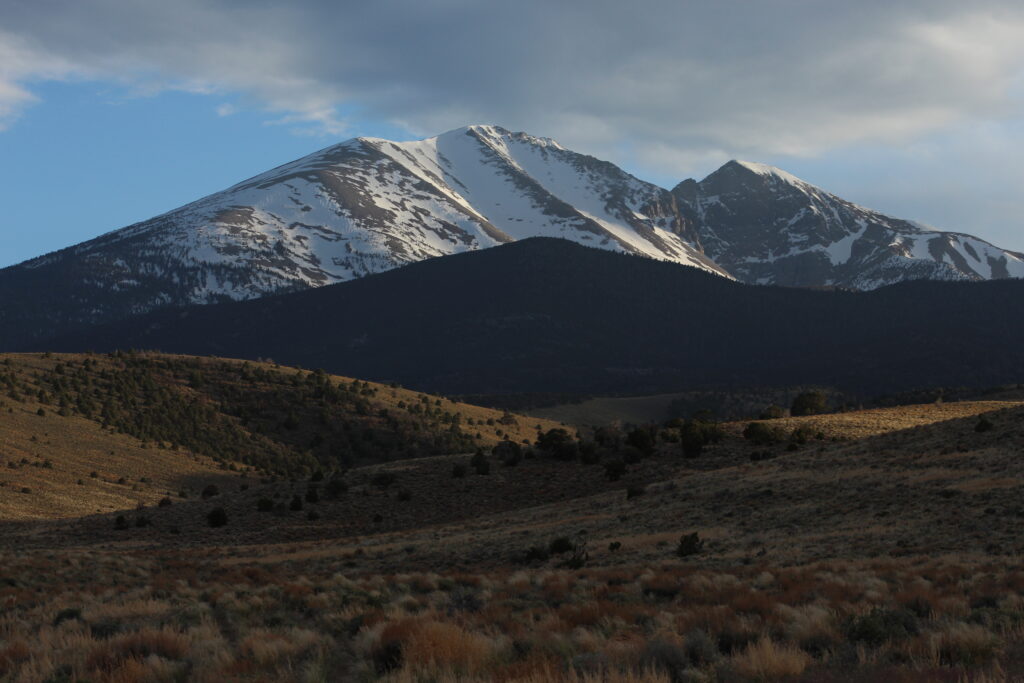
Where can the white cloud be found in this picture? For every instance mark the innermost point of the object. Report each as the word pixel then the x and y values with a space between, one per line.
pixel 226 109
pixel 21 63
pixel 781 77
pixel 669 86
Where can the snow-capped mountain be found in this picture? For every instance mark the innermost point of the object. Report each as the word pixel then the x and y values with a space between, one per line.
pixel 359 207
pixel 766 226
pixel 368 205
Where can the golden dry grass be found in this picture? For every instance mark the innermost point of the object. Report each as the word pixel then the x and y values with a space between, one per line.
pixel 893 555
pixel 55 458
pixel 604 410
pixel 109 621
pixel 860 424
pixel 54 466
pixel 766 660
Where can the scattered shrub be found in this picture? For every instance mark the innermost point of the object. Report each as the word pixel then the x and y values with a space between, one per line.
pixel 579 556
pixel 664 656
pixel 508 453
pixel 67 614
pixel 695 435
pixel 384 479
pixel 589 453
pixel 689 544
pixel 880 626
pixel 217 517
pixel 560 545
pixel 766 660
pixel 762 434
pixel 967 645
pixel 614 469
pixel 335 488
pixel 558 444
pixel 532 554
pixel 642 440
pixel 809 403
pixel 801 435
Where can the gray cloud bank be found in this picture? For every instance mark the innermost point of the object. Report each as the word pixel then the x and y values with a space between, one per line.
pixel 672 85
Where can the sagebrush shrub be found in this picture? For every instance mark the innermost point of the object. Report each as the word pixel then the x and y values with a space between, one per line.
pixel 217 517
pixel 762 434
pixel 689 544
pixel 560 545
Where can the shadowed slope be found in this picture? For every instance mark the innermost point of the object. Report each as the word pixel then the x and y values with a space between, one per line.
pixel 549 315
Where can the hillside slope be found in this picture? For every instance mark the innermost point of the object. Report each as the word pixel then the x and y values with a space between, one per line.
pixel 92 433
pixel 894 557
pixel 550 315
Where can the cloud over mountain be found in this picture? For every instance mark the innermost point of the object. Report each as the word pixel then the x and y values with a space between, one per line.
pixel 670 80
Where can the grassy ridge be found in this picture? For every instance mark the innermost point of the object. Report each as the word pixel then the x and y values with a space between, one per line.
pixel 164 423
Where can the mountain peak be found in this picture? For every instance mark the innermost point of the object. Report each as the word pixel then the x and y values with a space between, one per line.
pixel 764 225
pixel 368 205
pixel 355 208
pixel 493 133
pixel 763 170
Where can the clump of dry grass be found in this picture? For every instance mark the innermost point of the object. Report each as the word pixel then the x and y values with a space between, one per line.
pixel 444 646
pixel 265 646
pixel 968 645
pixel 767 660
pixel 112 621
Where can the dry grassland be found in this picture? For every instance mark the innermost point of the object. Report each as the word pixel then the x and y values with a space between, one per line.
pixel 887 550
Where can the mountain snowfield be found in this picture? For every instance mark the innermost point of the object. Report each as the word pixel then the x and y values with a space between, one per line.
pixel 766 226
pixel 368 205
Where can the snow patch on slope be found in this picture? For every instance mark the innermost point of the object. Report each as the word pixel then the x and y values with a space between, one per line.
pixel 771 172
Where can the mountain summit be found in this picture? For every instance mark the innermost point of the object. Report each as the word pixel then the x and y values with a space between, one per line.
pixel 767 226
pixel 359 207
pixel 369 205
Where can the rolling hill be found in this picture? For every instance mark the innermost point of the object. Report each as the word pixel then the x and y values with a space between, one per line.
pixel 81 434
pixel 549 315
pixel 882 548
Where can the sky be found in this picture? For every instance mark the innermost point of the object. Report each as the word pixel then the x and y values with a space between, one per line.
pixel 113 111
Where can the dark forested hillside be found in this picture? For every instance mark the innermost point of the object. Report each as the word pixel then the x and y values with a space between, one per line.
pixel 549 315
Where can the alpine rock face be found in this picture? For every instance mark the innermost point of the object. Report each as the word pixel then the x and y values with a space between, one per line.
pixel 360 207
pixel 765 226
